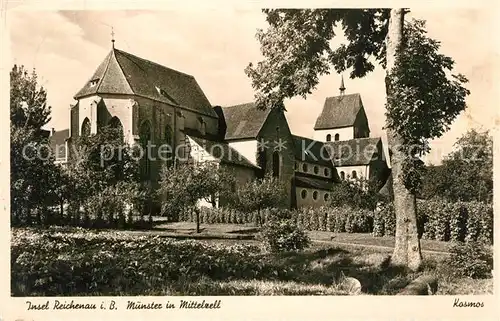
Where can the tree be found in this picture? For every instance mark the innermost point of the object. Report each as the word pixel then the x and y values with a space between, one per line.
pixel 28 101
pixel 104 159
pixel 98 162
pixel 259 194
pixel 356 193
pixel 421 103
pixel 466 174
pixel 31 159
pixel 183 188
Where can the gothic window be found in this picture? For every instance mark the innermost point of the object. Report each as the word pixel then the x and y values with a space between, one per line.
pixel 145 138
pixel 169 142
pixel 337 137
pixel 86 127
pixel 342 175
pixel 276 164
pixel 354 174
pixel 115 124
pixel 328 138
pixel 201 126
pixel 261 161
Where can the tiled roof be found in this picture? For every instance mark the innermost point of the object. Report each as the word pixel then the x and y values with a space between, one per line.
pixel 222 152
pixel 244 121
pixel 123 73
pixel 387 191
pixel 358 151
pixel 57 143
pixel 339 111
pixel 311 151
pixel 309 182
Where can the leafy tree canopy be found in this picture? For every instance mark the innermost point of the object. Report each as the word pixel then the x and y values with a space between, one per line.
pixel 466 174
pixel 423 97
pixel 28 101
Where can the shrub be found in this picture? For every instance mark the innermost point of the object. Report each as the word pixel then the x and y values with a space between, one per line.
pixel 470 259
pixel 60 262
pixel 283 235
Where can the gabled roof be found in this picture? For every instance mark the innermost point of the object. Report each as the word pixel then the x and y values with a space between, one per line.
pixel 387 191
pixel 311 151
pixel 222 152
pixel 57 143
pixel 339 111
pixel 244 121
pixel 358 151
pixel 123 73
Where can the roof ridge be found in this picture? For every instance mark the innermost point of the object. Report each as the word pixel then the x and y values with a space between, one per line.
pixel 237 105
pixel 121 69
pixel 307 138
pixel 346 95
pixel 105 70
pixel 153 63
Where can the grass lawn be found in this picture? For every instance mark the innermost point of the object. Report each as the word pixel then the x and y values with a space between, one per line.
pixel 338 239
pixel 83 262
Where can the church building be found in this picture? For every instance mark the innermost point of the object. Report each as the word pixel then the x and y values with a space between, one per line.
pixel 153 103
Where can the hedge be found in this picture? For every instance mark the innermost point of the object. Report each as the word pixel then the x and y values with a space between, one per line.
pixel 443 221
pixel 437 219
pixel 340 219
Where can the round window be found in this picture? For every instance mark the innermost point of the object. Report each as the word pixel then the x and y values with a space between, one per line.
pixel 304 167
pixel 315 195
pixel 316 170
pixel 303 193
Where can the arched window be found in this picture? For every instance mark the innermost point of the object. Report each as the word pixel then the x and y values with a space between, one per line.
pixel 261 161
pixel 326 172
pixel 354 174
pixel 316 170
pixel 337 137
pixel 168 137
pixel 342 175
pixel 315 195
pixel 145 138
pixel 276 164
pixel 328 138
pixel 304 168
pixel 326 196
pixel 115 124
pixel 86 127
pixel 303 194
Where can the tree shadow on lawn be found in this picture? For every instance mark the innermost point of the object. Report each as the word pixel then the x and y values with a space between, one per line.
pixel 329 266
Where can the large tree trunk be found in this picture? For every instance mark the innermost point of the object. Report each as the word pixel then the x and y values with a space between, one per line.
pixel 407 248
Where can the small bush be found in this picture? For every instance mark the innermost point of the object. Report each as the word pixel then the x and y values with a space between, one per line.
pixel 470 259
pixel 283 235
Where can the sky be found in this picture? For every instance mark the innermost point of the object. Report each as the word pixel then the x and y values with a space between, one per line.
pixel 216 45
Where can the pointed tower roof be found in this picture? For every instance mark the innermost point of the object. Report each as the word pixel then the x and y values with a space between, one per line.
pixel 124 73
pixel 342 87
pixel 339 111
